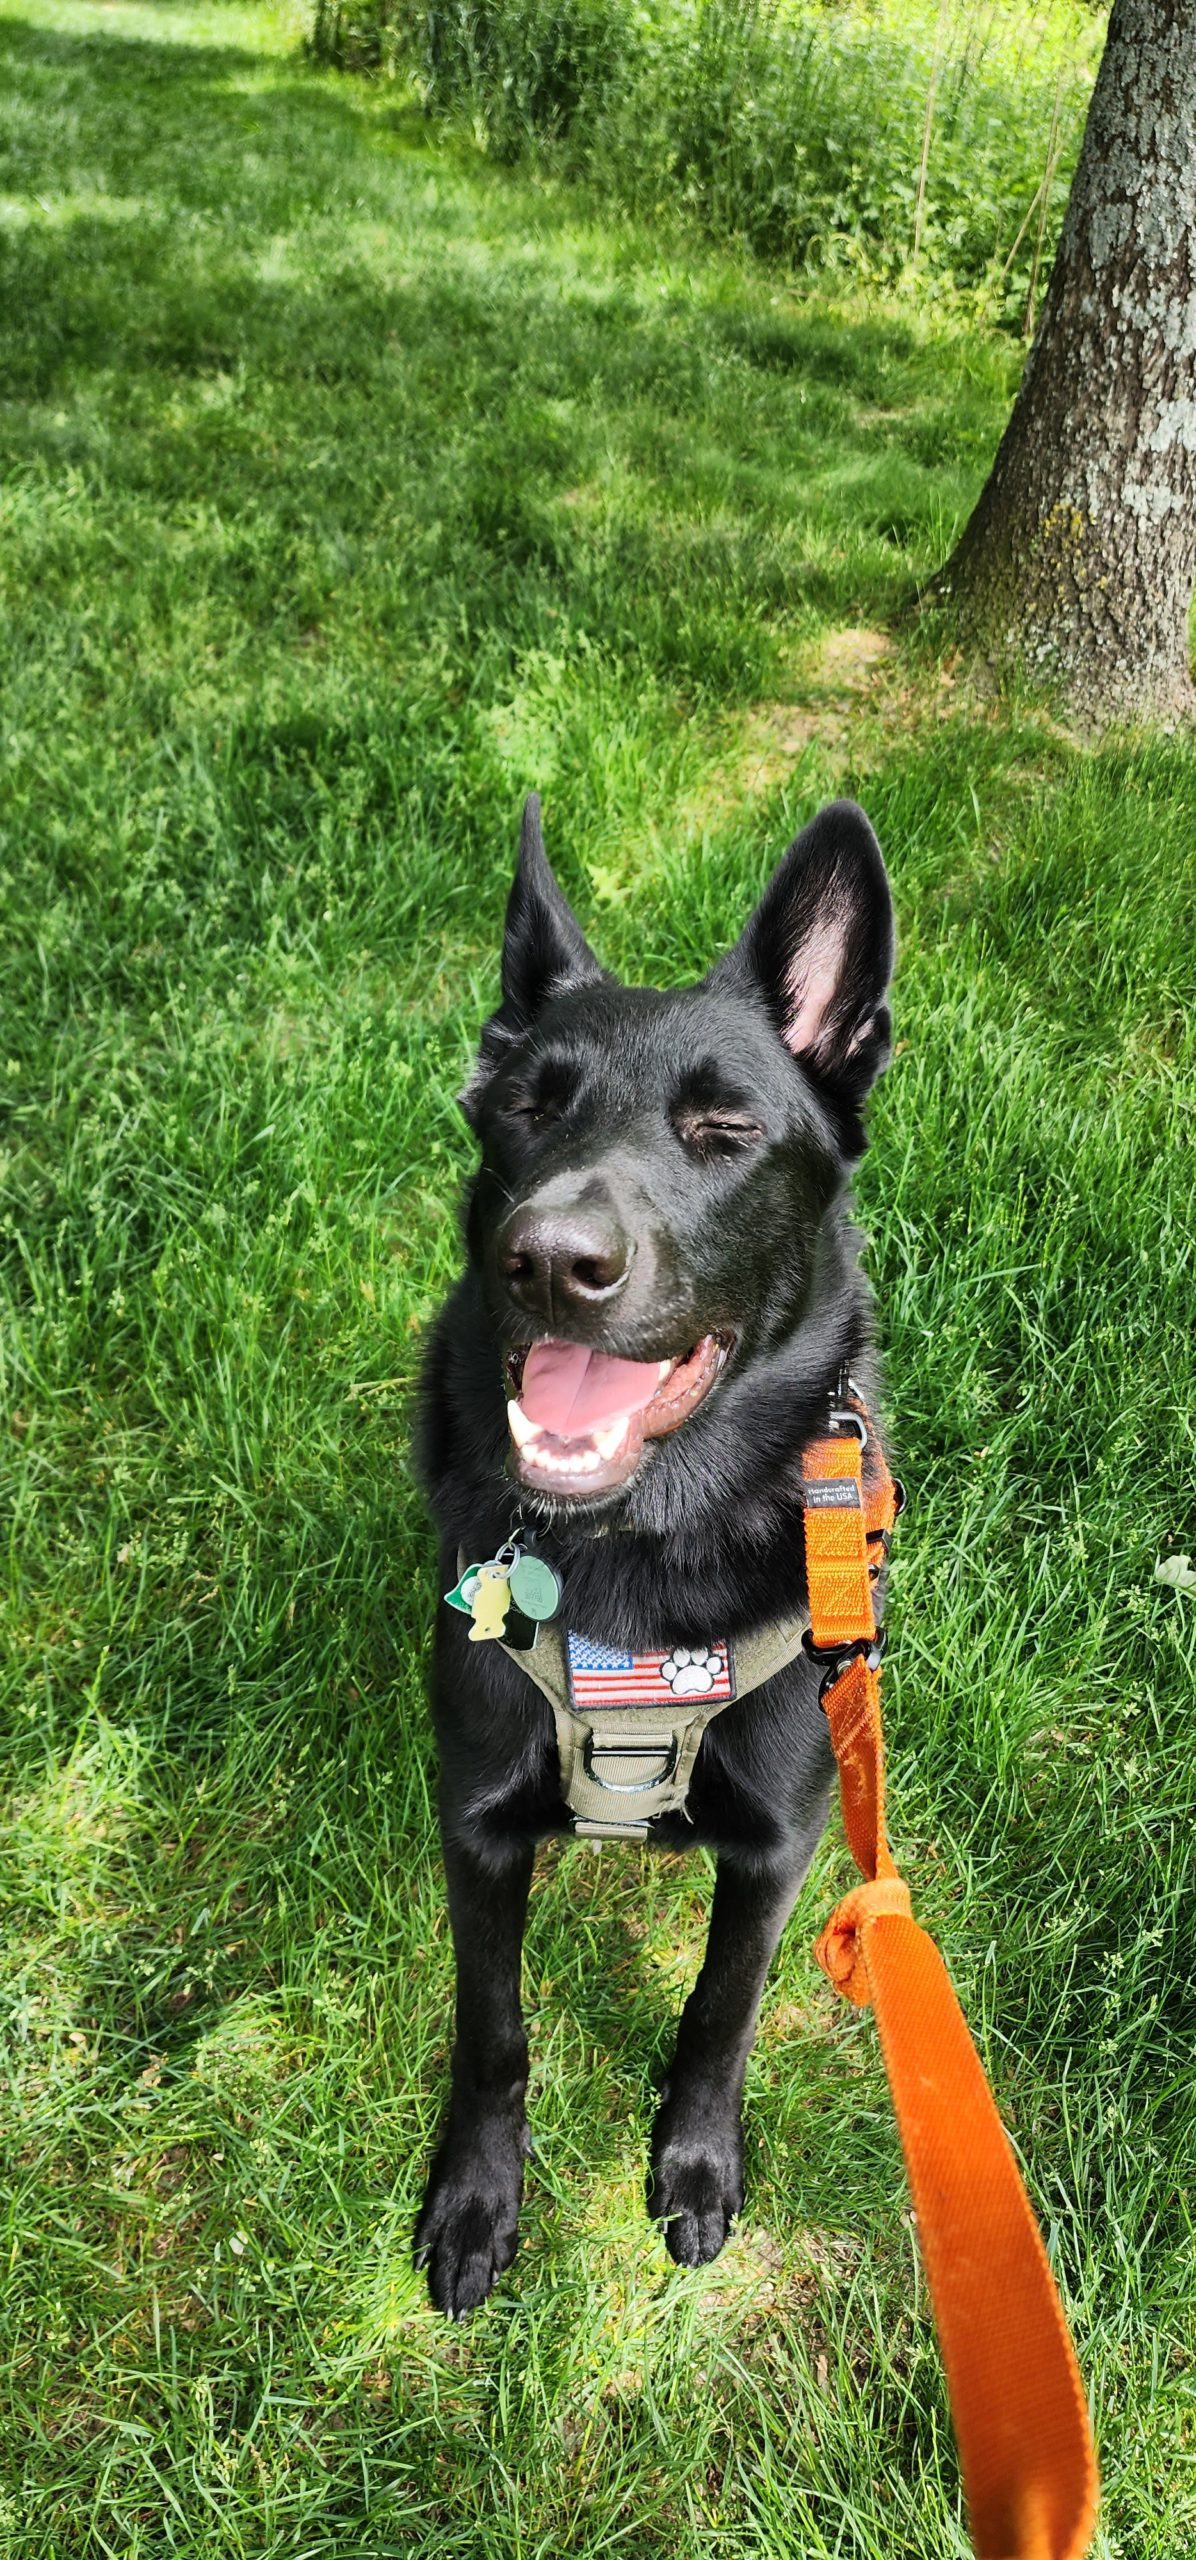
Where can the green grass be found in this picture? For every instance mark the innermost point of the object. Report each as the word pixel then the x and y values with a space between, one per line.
pixel 349 487
pixel 931 141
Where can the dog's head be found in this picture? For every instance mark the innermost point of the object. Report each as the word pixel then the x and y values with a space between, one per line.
pixel 660 1172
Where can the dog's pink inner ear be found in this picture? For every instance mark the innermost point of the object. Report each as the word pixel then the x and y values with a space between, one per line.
pixel 813 979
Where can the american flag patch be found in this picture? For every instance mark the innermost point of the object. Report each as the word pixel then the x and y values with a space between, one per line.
pixel 601 1676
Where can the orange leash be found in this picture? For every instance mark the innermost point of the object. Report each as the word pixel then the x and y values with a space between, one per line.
pixel 1021 2421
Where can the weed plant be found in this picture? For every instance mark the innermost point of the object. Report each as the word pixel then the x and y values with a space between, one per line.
pixel 931 139
pixel 349 486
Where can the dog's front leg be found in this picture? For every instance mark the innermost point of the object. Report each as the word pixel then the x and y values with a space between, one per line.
pixel 466 2231
pixel 696 2187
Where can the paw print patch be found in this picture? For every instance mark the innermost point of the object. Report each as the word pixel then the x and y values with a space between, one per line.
pixel 602 1676
pixel 693 1672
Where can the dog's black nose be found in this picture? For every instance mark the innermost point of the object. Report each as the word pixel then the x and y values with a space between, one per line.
pixel 556 1259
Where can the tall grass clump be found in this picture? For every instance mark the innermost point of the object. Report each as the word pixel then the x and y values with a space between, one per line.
pixel 870 136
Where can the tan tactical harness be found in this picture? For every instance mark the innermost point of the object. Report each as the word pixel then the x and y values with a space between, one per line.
pixel 622 1766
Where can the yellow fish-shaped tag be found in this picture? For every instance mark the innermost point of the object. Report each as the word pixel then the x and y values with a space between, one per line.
pixel 489 1601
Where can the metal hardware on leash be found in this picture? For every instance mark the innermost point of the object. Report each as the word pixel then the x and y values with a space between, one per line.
pixel 843 1415
pixel 836 1657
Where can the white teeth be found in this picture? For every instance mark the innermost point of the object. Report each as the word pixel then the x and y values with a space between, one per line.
pixel 611 1437
pixel 580 1460
pixel 550 1461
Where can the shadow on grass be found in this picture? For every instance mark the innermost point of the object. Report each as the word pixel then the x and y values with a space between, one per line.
pixel 287 316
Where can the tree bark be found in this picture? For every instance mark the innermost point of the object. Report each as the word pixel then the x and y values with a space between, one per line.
pixel 1080 558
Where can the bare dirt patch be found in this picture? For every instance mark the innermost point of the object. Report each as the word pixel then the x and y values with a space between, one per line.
pixel 845 674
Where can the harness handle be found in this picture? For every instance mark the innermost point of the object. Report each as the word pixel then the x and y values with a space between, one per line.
pixel 1017 2400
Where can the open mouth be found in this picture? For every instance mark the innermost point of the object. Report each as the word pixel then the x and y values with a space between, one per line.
pixel 579 1419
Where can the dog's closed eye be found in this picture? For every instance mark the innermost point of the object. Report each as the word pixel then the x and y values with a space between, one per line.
pixel 535 1109
pixel 547 1093
pixel 716 1132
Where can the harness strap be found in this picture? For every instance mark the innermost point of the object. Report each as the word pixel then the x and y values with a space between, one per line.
pixel 622 1766
pixel 1021 2421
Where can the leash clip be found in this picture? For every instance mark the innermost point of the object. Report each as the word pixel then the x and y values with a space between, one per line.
pixel 844 1416
pixel 865 1649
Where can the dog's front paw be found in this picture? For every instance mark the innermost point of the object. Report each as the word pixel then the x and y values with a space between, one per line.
pixel 467 2230
pixel 696 2187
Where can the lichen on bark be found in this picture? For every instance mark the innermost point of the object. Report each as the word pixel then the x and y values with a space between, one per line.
pixel 1080 558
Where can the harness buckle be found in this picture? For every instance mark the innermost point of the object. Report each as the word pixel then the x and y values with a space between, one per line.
pixel 866 1649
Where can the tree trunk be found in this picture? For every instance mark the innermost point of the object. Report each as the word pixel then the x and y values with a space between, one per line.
pixel 1080 558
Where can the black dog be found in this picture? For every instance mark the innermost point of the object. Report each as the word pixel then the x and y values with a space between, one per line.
pixel 659 1247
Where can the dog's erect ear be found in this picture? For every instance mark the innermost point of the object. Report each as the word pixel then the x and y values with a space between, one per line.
pixel 544 948
pixel 544 952
pixel 819 948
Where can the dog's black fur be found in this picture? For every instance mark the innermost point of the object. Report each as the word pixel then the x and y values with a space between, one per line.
pixel 714 1128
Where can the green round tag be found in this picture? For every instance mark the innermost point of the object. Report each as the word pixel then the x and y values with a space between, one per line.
pixel 535 1588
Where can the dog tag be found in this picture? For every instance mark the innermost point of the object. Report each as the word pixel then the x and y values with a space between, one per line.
pixel 511 1585
pixel 535 1588
pixel 484 1593
pixel 490 1601
pixel 521 1634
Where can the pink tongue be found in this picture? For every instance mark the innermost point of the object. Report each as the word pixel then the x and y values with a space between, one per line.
pixel 569 1390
